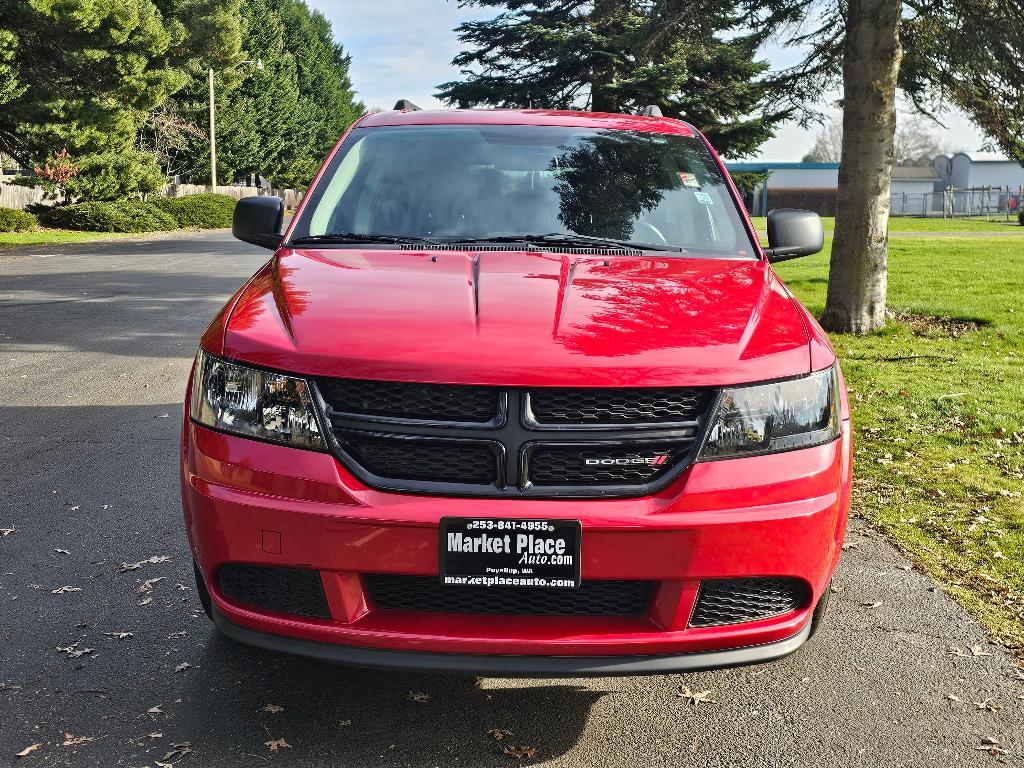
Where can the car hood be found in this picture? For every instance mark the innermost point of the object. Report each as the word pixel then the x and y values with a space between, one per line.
pixel 518 318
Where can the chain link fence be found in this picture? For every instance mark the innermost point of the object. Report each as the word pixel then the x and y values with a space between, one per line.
pixel 987 203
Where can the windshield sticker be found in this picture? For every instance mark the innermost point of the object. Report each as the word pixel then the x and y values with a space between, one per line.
pixel 689 180
pixel 704 197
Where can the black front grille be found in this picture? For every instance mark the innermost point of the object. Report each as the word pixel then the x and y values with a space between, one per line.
pixel 598 465
pixel 427 593
pixel 617 406
pixel 497 441
pixel 731 601
pixel 285 590
pixel 400 400
pixel 425 460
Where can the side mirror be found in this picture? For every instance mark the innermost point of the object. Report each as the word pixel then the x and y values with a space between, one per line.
pixel 257 220
pixel 793 233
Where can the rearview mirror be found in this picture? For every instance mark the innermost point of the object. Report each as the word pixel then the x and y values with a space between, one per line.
pixel 257 220
pixel 793 233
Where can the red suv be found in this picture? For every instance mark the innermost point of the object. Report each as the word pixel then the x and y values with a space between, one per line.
pixel 518 393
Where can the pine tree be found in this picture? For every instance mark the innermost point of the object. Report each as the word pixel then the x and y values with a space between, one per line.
pixel 279 120
pixel 80 74
pixel 694 60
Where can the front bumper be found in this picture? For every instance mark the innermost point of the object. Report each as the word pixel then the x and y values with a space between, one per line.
pixel 779 515
pixel 500 665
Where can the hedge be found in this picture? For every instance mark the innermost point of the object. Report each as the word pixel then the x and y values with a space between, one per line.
pixel 125 216
pixel 12 220
pixel 203 211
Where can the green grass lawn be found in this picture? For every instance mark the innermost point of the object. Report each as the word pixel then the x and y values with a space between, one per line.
pixel 938 416
pixel 907 224
pixel 51 237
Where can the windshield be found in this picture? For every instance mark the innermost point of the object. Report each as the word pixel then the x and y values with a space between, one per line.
pixel 475 183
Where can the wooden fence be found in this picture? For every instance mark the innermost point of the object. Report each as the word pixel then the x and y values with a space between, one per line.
pixel 14 196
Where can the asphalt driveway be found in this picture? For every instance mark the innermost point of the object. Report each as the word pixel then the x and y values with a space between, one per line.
pixel 107 660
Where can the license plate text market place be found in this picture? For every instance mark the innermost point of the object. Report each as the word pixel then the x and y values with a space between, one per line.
pixel 510 553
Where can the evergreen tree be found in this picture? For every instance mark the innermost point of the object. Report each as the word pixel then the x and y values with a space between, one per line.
pixel 79 74
pixel 279 120
pixel 693 60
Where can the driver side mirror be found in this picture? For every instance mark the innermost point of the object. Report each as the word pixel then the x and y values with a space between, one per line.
pixel 793 233
pixel 258 220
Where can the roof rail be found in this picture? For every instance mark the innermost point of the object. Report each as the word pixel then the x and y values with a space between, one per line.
pixel 651 110
pixel 406 105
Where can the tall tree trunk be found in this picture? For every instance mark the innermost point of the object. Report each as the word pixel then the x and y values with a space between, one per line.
pixel 858 271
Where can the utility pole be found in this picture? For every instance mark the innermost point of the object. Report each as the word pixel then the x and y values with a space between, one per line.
pixel 257 64
pixel 213 140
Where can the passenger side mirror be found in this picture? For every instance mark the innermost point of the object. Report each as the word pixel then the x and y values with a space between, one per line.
pixel 257 220
pixel 793 233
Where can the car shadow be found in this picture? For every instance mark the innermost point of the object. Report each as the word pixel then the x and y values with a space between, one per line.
pixel 98 520
pixel 354 717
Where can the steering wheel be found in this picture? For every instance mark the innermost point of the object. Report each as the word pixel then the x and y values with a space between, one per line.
pixel 655 230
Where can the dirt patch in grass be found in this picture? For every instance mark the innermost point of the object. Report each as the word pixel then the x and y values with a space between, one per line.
pixel 933 326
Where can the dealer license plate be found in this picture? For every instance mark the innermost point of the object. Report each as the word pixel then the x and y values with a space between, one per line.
pixel 493 552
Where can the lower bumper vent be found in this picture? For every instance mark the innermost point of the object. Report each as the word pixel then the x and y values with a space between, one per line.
pixel 731 601
pixel 285 590
pixel 426 593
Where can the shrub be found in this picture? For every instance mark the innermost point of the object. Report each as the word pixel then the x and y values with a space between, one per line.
pixel 16 221
pixel 127 216
pixel 115 176
pixel 205 211
pixel 1020 218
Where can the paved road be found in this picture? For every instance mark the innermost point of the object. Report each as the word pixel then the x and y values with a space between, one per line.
pixel 96 342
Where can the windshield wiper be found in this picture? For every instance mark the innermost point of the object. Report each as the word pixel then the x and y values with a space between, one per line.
pixel 569 239
pixel 352 237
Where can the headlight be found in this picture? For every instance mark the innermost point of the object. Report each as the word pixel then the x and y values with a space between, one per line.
pixel 254 403
pixel 767 418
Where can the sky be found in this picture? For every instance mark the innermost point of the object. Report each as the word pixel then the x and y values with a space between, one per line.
pixel 404 48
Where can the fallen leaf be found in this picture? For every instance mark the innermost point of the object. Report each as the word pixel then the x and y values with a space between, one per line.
pixel 176 634
pixel 120 635
pixel 418 696
pixel 62 551
pixel 499 734
pixel 155 710
pixel 277 744
pixel 146 601
pixel 273 708
pixel 5 532
pixel 178 751
pixel 871 605
pixel 148 561
pixel 73 651
pixel 155 735
pixel 344 722
pixel 62 590
pixel 28 750
pixel 182 667
pixel 519 752
pixel 979 650
pixel 992 746
pixel 988 704
pixel 953 697
pixel 147 585
pixel 695 697
pixel 70 741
